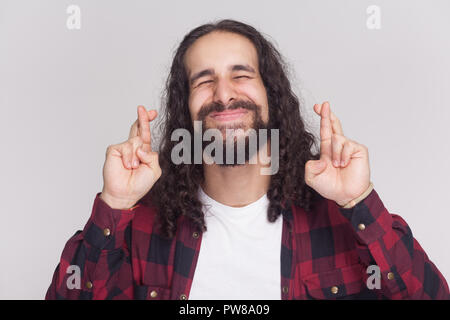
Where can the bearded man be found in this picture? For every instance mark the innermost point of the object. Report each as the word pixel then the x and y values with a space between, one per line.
pixel 310 230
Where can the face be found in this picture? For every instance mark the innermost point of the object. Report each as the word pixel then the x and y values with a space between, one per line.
pixel 226 89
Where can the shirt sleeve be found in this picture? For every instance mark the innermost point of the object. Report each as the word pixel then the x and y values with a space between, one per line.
pixel 95 261
pixel 386 240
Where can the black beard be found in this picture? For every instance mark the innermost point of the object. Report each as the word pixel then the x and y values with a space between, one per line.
pixel 256 124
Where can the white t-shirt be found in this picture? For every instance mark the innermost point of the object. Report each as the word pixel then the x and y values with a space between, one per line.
pixel 240 253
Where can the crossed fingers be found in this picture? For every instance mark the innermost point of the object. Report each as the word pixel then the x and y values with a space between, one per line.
pixel 333 144
pixel 139 137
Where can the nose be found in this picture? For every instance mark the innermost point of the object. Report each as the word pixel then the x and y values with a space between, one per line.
pixel 224 92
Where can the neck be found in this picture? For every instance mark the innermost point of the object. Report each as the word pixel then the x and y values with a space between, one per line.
pixel 236 186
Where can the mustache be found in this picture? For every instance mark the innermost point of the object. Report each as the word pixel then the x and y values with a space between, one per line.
pixel 218 107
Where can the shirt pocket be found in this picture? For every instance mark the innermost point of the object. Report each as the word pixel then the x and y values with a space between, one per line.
pixel 348 282
pixel 144 292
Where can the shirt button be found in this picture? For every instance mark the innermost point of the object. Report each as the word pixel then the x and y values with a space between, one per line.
pixel 285 289
pixel 89 285
pixel 183 297
pixel 153 294
pixel 106 232
pixel 195 235
pixel 361 226
pixel 390 276
pixel 334 290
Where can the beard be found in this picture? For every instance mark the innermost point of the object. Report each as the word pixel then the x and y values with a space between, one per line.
pixel 231 142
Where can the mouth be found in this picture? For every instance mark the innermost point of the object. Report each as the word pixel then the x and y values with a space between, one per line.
pixel 228 115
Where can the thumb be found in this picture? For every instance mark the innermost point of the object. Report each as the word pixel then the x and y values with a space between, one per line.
pixel 148 157
pixel 313 168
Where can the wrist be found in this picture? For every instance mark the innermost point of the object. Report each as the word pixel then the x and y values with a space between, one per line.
pixel 114 203
pixel 353 202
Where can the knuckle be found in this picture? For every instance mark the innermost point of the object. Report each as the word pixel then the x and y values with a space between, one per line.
pixel 135 139
pixel 337 148
pixel 124 144
pixel 346 150
pixel 135 142
pixel 338 138
pixel 130 145
pixel 110 149
pixel 132 140
pixel 127 149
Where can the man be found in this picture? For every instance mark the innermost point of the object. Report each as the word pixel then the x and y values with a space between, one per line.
pixel 310 230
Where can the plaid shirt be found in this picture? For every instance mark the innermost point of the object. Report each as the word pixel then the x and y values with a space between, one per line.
pixel 324 255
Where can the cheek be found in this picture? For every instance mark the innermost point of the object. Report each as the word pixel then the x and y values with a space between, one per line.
pixel 196 100
pixel 257 93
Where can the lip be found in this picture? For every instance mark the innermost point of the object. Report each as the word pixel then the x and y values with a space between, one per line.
pixel 228 115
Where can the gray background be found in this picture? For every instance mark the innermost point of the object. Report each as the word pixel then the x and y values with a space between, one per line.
pixel 65 95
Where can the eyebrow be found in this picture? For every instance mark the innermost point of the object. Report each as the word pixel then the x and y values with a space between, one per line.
pixel 240 67
pixel 210 72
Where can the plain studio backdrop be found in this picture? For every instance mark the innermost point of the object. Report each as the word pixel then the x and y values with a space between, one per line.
pixel 66 94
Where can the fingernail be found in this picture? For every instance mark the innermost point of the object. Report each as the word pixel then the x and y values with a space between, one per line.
pixel 336 163
pixel 128 164
pixel 342 163
pixel 135 163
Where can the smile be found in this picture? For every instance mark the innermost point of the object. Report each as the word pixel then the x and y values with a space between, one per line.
pixel 228 115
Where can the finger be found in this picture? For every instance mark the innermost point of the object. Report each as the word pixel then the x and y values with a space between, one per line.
pixel 325 132
pixel 348 150
pixel 313 168
pixel 317 108
pixel 126 150
pixel 335 122
pixel 149 158
pixel 136 143
pixel 325 122
pixel 144 125
pixel 337 144
pixel 144 118
pixel 134 131
pixel 152 114
pixel 146 157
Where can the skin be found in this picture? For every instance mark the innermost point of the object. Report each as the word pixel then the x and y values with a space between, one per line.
pixel 131 168
pixel 219 52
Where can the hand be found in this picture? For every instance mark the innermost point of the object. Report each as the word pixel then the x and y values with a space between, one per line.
pixel 342 173
pixel 131 168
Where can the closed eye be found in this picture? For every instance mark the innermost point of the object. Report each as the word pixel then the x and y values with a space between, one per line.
pixel 242 77
pixel 203 82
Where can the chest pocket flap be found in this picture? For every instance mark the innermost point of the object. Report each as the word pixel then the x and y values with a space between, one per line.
pixel 348 282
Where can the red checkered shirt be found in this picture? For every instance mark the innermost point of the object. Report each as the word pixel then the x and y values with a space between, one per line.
pixel 325 254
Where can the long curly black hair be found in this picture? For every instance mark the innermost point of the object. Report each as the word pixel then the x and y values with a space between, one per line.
pixel 176 192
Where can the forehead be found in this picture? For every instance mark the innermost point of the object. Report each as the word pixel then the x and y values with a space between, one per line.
pixel 218 50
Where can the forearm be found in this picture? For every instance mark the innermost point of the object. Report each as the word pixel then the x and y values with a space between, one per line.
pixel 91 251
pixel 386 240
